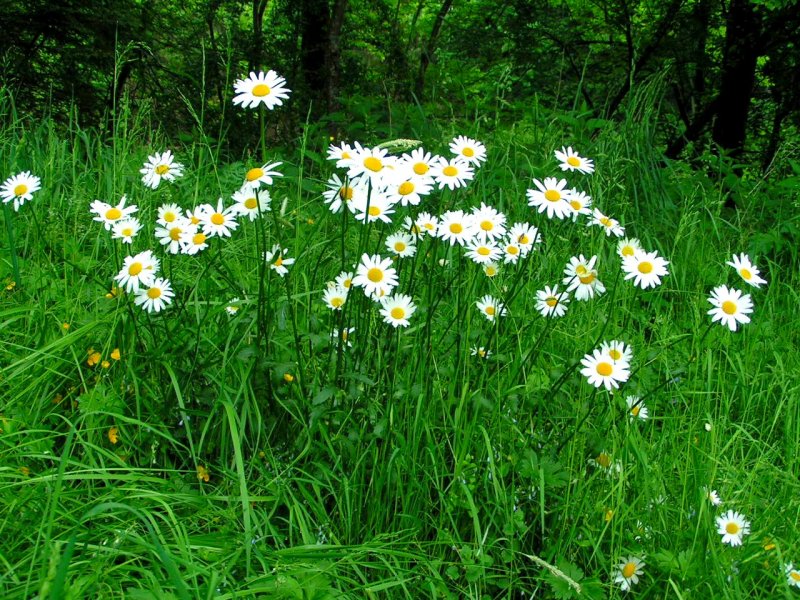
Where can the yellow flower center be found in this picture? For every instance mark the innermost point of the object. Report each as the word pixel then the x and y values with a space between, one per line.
pixel 346 283
pixel 194 220
pixel 398 313
pixel 20 190
pixel 581 270
pixel 635 410
pixel 261 90
pixel 551 301
pixel 337 302
pixel 405 188
pixel 552 195
pixel 112 214
pixel 513 250
pixel 523 239
pixel 373 164
pixel 615 354
pixel 154 293
pixel 604 369
pixel 255 173
pixel 490 271
pixel 279 261
pixel 487 225
pixel 421 168
pixel 346 193
pixel 199 239
pixel 169 217
pixel 346 155
pixel 450 171
pixel 746 274
pixel 627 251
pixel 374 211
pixel 795 575
pixel 250 203
pixel 572 161
pixel 728 307
pixel 135 269
pixel 468 152
pixel 175 234
pixel 127 232
pixel 162 169
pixel 630 568
pixel 489 310
pixel 375 275
pixel 586 279
pixel 399 246
pixel 645 267
pixel 576 204
pixel 217 219
pixel 456 228
pixel 604 460
pixel 732 528
pixel 484 251
pixel 344 335
pixel 606 222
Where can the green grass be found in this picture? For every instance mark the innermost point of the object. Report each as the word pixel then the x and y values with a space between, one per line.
pixel 403 467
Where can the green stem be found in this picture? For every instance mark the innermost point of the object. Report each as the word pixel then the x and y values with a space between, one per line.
pixel 12 247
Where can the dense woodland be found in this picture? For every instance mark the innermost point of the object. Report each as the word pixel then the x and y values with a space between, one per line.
pixel 727 71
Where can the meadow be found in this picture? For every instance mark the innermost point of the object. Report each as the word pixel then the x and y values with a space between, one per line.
pixel 317 372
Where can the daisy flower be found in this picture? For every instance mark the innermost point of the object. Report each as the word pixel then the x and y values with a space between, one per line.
pixel 263 174
pixel 161 165
pixel 155 296
pixel 334 297
pixel 373 207
pixel 420 162
pixel 411 227
pixel 193 241
pixel 343 336
pixel 618 351
pixel 628 572
pixel 792 575
pixel 580 277
pixel 572 161
pixel 636 408
pixel 427 222
pixel 730 306
pixel 601 369
pixel 397 309
pixel 373 163
pixel 628 247
pixel 193 215
pixel 480 352
pixel 645 268
pixel 401 244
pixel 456 227
pixel 344 279
pixel 342 193
pixel 260 88
pixel 454 173
pixel 747 270
pixel 468 150
pixel 712 496
pixel 251 202
pixel 483 252
pixel 732 526
pixel 233 307
pixel 511 252
pixel 126 230
pixel 138 270
pixel 491 269
pixel 375 275
pixel 277 260
pixel 551 303
pixel 579 203
pixel 605 463
pixel 108 215
pixel 490 307
pixel 611 226
pixel 20 188
pixel 168 213
pixel 550 196
pixel 408 191
pixel 490 224
pixel 218 221
pixel 342 154
pixel 526 235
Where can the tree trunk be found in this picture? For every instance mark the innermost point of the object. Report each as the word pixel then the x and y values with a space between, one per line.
pixel 430 47
pixel 333 57
pixel 315 22
pixel 257 52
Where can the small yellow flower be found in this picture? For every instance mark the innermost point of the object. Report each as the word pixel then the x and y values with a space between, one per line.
pixel 11 285
pixel 115 355
pixel 609 514
pixel 288 377
pixel 25 471
pixel 65 326
pixel 105 364
pixel 310 221
pixel 768 545
pixel 93 359
pixel 113 435
pixel 202 473
pixel 113 293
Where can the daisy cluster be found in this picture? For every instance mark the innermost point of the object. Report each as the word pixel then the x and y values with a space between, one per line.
pixel 731 307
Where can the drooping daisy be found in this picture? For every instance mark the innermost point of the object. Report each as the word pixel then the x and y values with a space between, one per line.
pixel 344 279
pixel 397 309
pixel 480 352
pixel 401 244
pixel 550 196
pixel 108 215
pixel 342 337
pixel 490 307
pixel 453 174
pixel 160 166
pixel 155 296
pixel 550 302
pixel 255 177
pixel 334 297
pixel 343 154
pixel 636 408
pixel 731 307
pixel 219 221
pixel 126 230
pixel 342 193
pixel 193 241
pixel 251 203
pixel 168 213
pixel 139 270
pixel 427 223
pixel 580 277
pixel 373 163
pixel 628 572
pixel 277 260
pixel 19 188
pixel 579 203
pixel 712 496
pixel 376 275
pixel 645 268
pixel 601 369
pixel 526 235
pixel 628 247
pixel 489 222
pixel 572 161
pixel 732 526
pixel 617 350
pixel 792 575
pixel 609 225
pixel 456 227
pixel 747 270
pixel 468 150
pixel 375 206
pixel 491 269
pixel 483 252
pixel 260 88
